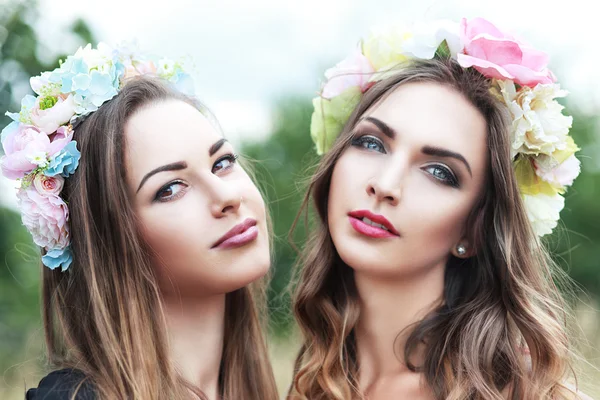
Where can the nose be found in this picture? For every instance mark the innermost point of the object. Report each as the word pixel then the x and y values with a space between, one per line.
pixel 226 198
pixel 386 187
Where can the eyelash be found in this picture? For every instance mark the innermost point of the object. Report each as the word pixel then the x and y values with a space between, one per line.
pixel 450 179
pixel 368 140
pixel 232 158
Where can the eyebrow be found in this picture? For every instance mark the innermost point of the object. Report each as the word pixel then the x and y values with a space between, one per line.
pixel 439 152
pixel 178 166
pixel 429 150
pixel 383 127
pixel 215 147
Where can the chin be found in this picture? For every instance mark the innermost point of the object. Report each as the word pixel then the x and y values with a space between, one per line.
pixel 245 276
pixel 362 257
pixel 248 268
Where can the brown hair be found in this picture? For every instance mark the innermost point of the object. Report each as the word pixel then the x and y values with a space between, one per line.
pixel 496 303
pixel 104 315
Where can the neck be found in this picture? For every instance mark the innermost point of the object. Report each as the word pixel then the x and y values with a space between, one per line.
pixel 195 328
pixel 389 308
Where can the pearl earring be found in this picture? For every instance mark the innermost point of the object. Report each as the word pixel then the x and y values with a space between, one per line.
pixel 461 250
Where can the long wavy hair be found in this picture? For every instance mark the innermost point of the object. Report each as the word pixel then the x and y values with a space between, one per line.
pixel 104 315
pixel 496 305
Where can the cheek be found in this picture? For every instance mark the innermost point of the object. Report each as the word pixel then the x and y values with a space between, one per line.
pixel 179 231
pixel 436 221
pixel 252 198
pixel 346 183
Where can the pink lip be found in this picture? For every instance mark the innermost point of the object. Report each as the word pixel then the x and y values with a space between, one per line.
pixel 238 236
pixel 356 217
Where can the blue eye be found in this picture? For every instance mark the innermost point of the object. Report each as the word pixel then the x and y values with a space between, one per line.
pixel 369 143
pixel 224 163
pixel 170 191
pixel 443 174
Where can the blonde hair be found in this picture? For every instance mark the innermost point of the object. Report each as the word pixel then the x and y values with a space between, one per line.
pixel 498 302
pixel 104 315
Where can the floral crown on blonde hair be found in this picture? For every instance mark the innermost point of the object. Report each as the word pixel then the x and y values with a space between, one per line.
pixel 542 151
pixel 38 144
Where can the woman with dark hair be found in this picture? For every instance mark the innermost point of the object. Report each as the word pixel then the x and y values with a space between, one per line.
pixel 445 158
pixel 154 239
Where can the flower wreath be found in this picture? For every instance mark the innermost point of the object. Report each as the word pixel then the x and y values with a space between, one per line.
pixel 542 151
pixel 38 144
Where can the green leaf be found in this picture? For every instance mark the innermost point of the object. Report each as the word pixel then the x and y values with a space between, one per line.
pixel 443 51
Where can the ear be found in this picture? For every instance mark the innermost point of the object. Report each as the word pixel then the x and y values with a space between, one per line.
pixel 463 244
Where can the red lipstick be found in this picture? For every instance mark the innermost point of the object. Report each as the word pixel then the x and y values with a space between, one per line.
pixel 238 236
pixel 372 225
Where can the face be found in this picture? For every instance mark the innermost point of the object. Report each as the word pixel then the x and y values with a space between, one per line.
pixel 199 211
pixel 401 193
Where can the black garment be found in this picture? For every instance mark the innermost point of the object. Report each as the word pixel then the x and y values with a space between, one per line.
pixel 60 385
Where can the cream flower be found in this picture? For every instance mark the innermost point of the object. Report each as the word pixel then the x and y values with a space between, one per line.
pixel 385 47
pixel 538 125
pixel 543 211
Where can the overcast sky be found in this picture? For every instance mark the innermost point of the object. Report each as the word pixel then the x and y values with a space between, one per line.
pixel 248 53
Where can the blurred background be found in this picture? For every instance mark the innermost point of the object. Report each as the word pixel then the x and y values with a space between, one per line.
pixel 257 65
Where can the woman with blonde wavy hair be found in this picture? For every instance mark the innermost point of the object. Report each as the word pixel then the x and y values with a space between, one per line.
pixel 445 159
pixel 154 239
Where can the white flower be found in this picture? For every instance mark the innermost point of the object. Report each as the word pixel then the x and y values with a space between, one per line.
pixel 563 174
pixel 129 51
pixel 41 85
pixel 428 36
pixel 538 125
pixel 543 211
pixel 99 58
pixel 39 158
pixel 166 67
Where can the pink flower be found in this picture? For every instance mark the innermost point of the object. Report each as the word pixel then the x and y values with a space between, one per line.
pixel 50 119
pixel 48 185
pixel 498 55
pixel 140 68
pixel 24 144
pixel 355 70
pixel 560 175
pixel 45 217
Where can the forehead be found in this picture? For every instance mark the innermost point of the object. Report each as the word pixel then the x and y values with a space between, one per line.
pixel 435 115
pixel 166 132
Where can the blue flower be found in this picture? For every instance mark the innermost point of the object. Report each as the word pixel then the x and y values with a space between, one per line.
pixel 65 162
pixel 8 129
pixel 101 87
pixel 184 83
pixel 58 258
pixel 119 72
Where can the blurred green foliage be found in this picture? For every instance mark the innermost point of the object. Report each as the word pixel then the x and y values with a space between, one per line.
pixel 282 167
